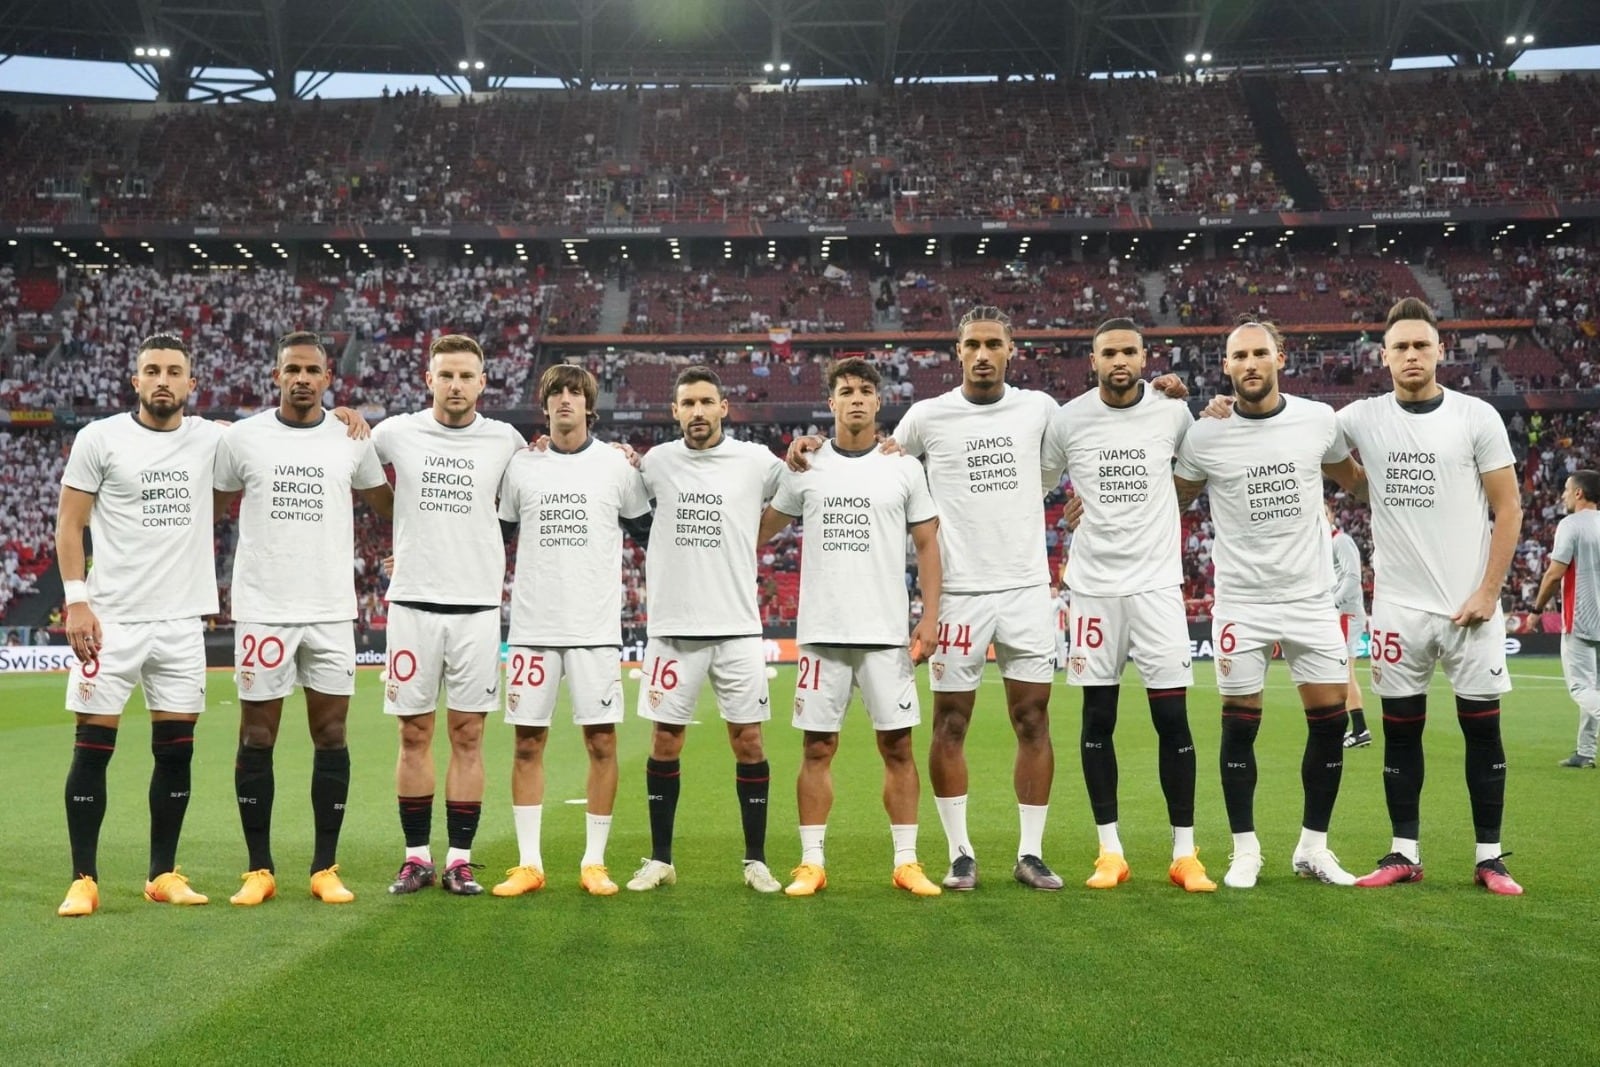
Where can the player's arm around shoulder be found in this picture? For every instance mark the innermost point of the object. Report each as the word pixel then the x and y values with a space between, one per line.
pixel 1188 475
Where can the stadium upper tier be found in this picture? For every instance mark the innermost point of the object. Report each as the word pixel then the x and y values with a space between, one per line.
pixel 1010 150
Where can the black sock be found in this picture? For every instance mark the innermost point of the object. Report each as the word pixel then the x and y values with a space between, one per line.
pixel 172 744
pixel 1486 765
pixel 1169 711
pixel 752 781
pixel 1403 722
pixel 1237 755
pixel 1358 721
pixel 661 785
pixel 416 820
pixel 86 796
pixel 1322 765
pixel 254 786
pixel 461 821
pixel 330 788
pixel 1099 750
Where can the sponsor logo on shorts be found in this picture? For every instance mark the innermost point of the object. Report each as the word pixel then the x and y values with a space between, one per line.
pixel 1224 665
pixel 654 696
pixel 905 705
pixel 937 667
pixel 85 690
pixel 247 679
pixel 1186 664
pixel 1079 664
pixel 1497 671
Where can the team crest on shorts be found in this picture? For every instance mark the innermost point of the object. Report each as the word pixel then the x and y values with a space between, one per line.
pixel 654 697
pixel 1224 665
pixel 937 668
pixel 392 690
pixel 85 690
pixel 512 699
pixel 799 706
pixel 1079 664
pixel 247 679
pixel 1377 674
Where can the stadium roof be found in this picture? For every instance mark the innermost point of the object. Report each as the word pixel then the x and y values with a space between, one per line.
pixel 620 41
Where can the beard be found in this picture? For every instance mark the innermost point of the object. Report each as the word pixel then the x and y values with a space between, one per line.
pixel 1253 394
pixel 161 409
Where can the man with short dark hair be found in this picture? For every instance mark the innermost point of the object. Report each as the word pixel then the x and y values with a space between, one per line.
pixel 141 482
pixel 857 506
pixel 1574 568
pixel 709 491
pixel 1439 463
pixel 1116 443
pixel 294 601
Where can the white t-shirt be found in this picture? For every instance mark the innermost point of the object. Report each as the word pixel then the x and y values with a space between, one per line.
pixel 568 588
pixel 447 545
pixel 1120 462
pixel 153 556
pixel 984 470
pixel 701 564
pixel 1577 545
pixel 294 562
pixel 1264 475
pixel 1430 515
pixel 855 511
pixel 1347 575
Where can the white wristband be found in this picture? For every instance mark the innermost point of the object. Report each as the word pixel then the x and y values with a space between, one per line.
pixel 77 591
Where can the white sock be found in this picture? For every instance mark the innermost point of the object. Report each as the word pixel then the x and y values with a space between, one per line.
pixel 462 854
pixel 953 817
pixel 1031 843
pixel 528 819
pixel 811 843
pixel 1407 847
pixel 1182 842
pixel 905 842
pixel 1311 840
pixel 596 828
pixel 1109 841
pixel 1488 852
pixel 419 852
pixel 1246 842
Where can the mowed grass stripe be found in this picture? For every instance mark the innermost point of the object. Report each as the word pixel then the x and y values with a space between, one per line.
pixel 708 971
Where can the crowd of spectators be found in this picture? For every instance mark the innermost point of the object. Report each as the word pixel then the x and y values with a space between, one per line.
pixel 1446 140
pixel 30 479
pixel 996 150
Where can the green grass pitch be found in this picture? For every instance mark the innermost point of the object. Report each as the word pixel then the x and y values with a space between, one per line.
pixel 707 971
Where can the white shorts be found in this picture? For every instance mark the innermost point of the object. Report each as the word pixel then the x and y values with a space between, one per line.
pixel 1580 664
pixel 675 668
pixel 167 657
pixel 1242 636
pixel 828 674
pixel 1353 627
pixel 1149 625
pixel 1018 622
pixel 270 660
pixel 1406 643
pixel 428 649
pixel 594 683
